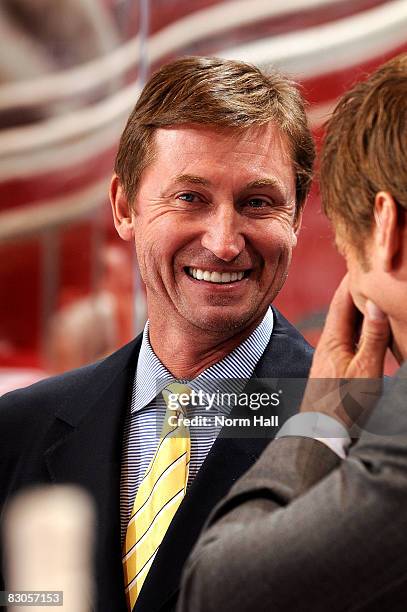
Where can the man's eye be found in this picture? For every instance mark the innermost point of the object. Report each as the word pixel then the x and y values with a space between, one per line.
pixel 257 203
pixel 187 197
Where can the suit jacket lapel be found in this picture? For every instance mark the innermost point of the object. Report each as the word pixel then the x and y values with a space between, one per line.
pixel 85 449
pixel 287 355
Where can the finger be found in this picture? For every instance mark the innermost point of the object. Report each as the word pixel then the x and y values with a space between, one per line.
pixel 340 322
pixel 374 340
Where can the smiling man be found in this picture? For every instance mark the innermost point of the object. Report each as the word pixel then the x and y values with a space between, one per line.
pixel 211 176
pixel 214 223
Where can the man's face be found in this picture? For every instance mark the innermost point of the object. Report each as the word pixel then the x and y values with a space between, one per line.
pixel 214 225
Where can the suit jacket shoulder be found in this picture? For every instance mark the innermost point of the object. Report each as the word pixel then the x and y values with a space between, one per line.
pixel 288 354
pixel 34 418
pixel 68 395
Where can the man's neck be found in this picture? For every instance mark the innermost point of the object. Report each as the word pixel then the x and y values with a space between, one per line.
pixel 187 353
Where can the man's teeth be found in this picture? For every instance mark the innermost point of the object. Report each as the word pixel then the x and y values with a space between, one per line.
pixel 215 277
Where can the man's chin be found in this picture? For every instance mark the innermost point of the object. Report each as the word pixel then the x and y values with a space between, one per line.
pixel 223 322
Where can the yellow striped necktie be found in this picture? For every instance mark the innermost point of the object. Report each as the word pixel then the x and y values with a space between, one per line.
pixel 159 495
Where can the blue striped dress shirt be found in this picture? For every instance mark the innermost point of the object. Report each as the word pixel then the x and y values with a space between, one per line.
pixel 147 409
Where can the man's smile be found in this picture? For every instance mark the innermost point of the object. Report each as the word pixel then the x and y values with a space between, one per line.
pixel 217 276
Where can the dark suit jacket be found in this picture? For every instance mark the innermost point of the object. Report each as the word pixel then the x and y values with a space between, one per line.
pixel 69 429
pixel 303 530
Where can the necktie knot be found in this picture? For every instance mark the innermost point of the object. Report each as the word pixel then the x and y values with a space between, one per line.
pixel 177 397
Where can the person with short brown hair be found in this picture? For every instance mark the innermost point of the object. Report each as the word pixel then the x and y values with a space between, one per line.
pixel 211 176
pixel 317 526
pixel 224 94
pixel 364 151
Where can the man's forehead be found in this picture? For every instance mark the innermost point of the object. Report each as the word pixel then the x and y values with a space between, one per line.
pixel 260 135
pixel 185 156
pixel 258 150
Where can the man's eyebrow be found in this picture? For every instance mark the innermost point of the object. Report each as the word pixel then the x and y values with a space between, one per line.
pixel 257 184
pixel 264 182
pixel 191 178
pixel 280 191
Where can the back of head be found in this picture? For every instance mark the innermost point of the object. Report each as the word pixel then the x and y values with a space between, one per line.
pixel 219 93
pixel 365 150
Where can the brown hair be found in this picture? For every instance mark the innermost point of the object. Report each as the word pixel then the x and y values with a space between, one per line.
pixel 365 150
pixel 223 93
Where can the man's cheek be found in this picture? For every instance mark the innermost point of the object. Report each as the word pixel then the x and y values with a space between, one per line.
pixel 147 268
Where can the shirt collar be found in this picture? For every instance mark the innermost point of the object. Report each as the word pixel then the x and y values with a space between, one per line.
pixel 152 376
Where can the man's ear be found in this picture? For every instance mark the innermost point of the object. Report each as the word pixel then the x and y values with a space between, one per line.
pixel 388 231
pixel 122 214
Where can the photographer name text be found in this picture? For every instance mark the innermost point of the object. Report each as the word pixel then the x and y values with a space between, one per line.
pixel 178 420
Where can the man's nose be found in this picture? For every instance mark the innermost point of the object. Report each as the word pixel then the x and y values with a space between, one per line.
pixel 223 234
